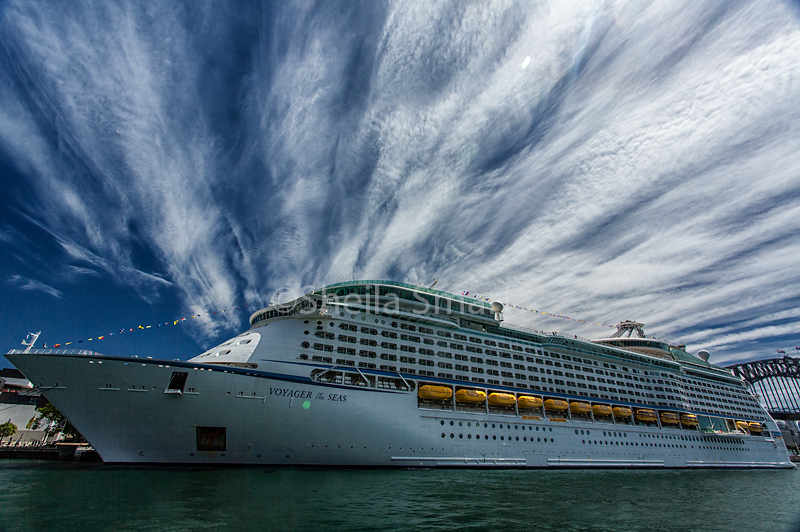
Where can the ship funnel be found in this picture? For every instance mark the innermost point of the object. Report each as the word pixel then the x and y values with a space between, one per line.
pixel 497 308
pixel 703 354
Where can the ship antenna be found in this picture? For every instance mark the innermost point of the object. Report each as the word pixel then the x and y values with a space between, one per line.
pixel 30 340
pixel 434 284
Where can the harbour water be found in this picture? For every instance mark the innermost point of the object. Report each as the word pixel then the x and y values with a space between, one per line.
pixel 65 496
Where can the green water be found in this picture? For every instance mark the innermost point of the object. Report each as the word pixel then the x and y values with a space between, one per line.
pixel 59 496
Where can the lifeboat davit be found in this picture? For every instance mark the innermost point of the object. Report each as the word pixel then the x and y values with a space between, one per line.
pixel 466 395
pixel 755 427
pixel 439 393
pixel 526 401
pixel 555 405
pixel 502 399
pixel 622 412
pixel 690 420
pixel 670 418
pixel 602 410
pixel 579 407
pixel 743 426
pixel 645 415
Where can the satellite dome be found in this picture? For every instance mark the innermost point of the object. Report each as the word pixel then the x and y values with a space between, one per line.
pixel 703 354
pixel 497 306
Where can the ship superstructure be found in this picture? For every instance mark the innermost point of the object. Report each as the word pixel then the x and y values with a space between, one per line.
pixel 381 373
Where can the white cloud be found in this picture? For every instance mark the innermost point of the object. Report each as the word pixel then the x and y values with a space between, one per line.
pixel 24 283
pixel 642 164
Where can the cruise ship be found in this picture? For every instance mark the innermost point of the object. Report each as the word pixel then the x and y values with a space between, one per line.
pixel 387 374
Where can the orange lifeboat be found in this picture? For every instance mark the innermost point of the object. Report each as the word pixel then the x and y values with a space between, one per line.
pixel 601 410
pixel 670 418
pixel 579 407
pixel 755 427
pixel 555 405
pixel 622 412
pixel 501 399
pixel 743 426
pixel 645 415
pixel 468 395
pixel 438 393
pixel 527 401
pixel 689 420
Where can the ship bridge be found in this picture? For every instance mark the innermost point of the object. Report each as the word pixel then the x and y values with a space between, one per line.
pixel 416 303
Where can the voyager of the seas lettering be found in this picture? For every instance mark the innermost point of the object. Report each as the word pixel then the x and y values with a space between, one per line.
pixel 301 394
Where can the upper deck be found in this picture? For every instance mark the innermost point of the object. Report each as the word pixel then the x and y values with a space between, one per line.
pixel 436 307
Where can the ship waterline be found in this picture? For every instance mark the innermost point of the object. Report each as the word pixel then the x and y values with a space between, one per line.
pixel 379 373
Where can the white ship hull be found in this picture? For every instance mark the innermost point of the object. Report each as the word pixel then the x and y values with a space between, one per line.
pixel 285 418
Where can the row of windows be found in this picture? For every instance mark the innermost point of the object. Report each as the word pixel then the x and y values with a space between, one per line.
pixel 505 374
pixel 665 396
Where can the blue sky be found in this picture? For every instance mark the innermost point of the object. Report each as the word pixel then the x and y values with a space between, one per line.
pixel 607 161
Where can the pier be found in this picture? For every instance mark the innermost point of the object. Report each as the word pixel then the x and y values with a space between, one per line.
pixel 60 451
